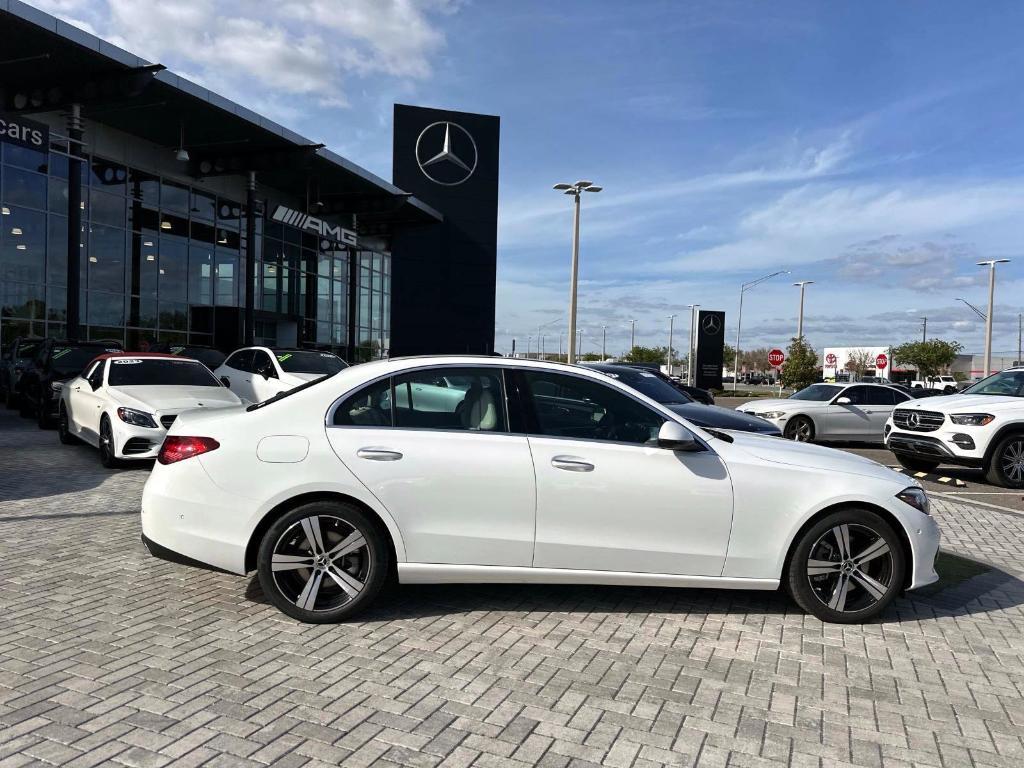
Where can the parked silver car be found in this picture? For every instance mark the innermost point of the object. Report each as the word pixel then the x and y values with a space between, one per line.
pixel 820 412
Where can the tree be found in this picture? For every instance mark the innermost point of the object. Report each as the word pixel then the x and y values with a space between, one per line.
pixel 859 361
pixel 647 355
pixel 929 357
pixel 801 367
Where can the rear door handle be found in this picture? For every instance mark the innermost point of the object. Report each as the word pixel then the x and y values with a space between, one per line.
pixel 571 464
pixel 378 454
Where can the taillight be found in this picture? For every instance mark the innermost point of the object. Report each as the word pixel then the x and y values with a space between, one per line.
pixel 177 448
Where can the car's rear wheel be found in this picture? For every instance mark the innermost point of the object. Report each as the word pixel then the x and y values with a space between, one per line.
pixel 916 465
pixel 108 455
pixel 64 427
pixel 323 562
pixel 847 568
pixel 1006 467
pixel 800 428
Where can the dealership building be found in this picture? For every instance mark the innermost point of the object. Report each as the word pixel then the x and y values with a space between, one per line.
pixel 136 205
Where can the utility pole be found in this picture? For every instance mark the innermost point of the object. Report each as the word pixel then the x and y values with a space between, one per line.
pixel 800 321
pixel 689 352
pixel 579 346
pixel 1020 327
pixel 604 342
pixel 924 329
pixel 575 190
pixel 671 319
pixel 632 334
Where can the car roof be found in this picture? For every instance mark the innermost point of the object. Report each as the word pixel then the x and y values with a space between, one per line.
pixel 133 355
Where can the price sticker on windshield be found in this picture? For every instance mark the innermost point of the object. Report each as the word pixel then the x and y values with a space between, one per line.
pixel 127 361
pixel 282 358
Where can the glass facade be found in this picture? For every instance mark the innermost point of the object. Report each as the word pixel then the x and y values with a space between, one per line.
pixel 161 261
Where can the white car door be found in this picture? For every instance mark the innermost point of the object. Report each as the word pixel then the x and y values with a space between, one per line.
pixel 849 420
pixel 457 482
pixel 878 404
pixel 607 500
pixel 87 401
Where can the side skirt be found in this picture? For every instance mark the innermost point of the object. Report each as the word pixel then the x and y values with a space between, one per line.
pixel 439 573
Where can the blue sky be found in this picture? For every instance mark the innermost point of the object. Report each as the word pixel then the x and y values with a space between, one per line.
pixel 875 147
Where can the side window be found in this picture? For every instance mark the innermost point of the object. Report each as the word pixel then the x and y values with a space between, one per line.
pixel 469 399
pixel 369 407
pixel 241 360
pixel 95 377
pixel 878 396
pixel 569 406
pixel 900 397
pixel 855 394
pixel 262 365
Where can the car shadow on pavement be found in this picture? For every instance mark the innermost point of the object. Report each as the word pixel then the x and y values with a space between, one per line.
pixel 20 482
pixel 965 587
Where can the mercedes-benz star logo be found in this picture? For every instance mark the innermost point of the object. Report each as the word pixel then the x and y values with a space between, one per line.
pixel 914 420
pixel 712 324
pixel 456 160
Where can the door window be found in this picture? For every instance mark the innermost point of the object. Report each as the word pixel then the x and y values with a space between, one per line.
pixel 878 396
pixel 570 406
pixel 95 377
pixel 470 399
pixel 855 394
pixel 369 407
pixel 241 360
pixel 899 397
pixel 262 365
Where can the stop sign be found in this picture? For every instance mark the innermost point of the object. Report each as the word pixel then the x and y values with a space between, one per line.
pixel 776 357
pixel 881 362
pixel 830 359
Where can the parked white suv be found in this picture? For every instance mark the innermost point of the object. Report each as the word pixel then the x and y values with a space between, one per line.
pixel 947 384
pixel 982 427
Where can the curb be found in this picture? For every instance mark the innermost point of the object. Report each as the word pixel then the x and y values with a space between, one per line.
pixel 934 477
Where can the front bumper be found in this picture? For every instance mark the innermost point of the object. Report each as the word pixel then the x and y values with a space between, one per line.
pixel 961 446
pixel 924 545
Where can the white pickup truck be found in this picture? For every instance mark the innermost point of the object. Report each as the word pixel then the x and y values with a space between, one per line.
pixel 943 383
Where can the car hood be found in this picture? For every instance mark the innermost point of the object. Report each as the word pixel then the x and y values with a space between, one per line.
pixel 964 403
pixel 175 398
pixel 811 456
pixel 717 417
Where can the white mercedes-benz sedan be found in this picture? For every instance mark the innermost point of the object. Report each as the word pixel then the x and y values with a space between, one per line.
pixel 486 469
pixel 123 403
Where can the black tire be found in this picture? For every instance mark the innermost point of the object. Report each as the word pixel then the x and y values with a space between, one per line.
pixel 108 457
pixel 63 429
pixel 312 575
pixel 1006 467
pixel 827 577
pixel 916 465
pixel 799 428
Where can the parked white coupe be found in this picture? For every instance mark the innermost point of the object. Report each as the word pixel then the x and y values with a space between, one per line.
pixel 256 374
pixel 528 472
pixel 123 403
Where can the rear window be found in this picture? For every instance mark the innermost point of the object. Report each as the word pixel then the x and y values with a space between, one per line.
pixel 138 371
pixel 310 362
pixel 67 359
pixel 211 358
pixel 27 349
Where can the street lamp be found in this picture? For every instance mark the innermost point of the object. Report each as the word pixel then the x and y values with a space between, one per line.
pixel 579 346
pixel 924 329
pixel 632 334
pixel 977 311
pixel 671 319
pixel 604 343
pixel 575 190
pixel 739 319
pixel 991 264
pixel 689 352
pixel 800 322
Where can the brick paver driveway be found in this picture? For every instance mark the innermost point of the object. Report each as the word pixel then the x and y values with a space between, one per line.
pixel 108 655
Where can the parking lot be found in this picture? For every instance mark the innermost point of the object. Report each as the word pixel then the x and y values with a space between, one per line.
pixel 108 656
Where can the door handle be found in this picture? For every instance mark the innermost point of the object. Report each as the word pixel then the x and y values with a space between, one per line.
pixel 378 454
pixel 571 464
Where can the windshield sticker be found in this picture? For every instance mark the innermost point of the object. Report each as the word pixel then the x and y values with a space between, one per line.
pixel 648 375
pixel 326 354
pixel 177 350
pixel 113 351
pixel 127 361
pixel 60 352
pixel 282 358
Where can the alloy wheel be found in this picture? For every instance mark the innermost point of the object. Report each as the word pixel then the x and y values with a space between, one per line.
pixel 800 430
pixel 106 443
pixel 850 568
pixel 1012 462
pixel 320 563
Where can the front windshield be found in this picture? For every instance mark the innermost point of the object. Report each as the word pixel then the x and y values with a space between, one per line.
pixel 1006 383
pixel 323 363
pixel 67 360
pixel 818 393
pixel 142 372
pixel 648 384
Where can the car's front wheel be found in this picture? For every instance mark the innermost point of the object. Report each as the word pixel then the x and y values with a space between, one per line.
pixel 1006 467
pixel 323 562
pixel 916 465
pixel 64 427
pixel 801 429
pixel 847 568
pixel 108 455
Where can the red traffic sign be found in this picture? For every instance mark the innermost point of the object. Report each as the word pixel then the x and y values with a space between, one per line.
pixel 831 359
pixel 881 362
pixel 776 358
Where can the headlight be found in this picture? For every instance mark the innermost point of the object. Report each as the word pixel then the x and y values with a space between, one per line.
pixel 57 386
pixel 771 414
pixel 972 419
pixel 915 497
pixel 136 418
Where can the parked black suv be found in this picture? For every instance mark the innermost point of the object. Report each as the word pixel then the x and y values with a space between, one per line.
pixel 14 360
pixel 56 361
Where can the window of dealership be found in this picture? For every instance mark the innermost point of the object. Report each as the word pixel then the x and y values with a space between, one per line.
pixel 160 256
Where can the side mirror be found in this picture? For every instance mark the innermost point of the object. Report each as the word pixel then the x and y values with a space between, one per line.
pixel 673 436
pixel 843 401
pixel 225 381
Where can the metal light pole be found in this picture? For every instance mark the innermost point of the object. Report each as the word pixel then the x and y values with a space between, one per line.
pixel 739 320
pixel 689 352
pixel 671 319
pixel 1020 327
pixel 976 311
pixel 575 190
pixel 560 335
pixel 800 321
pixel 579 346
pixel 991 264
pixel 924 329
pixel 604 342
pixel 632 334
pixel 529 340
